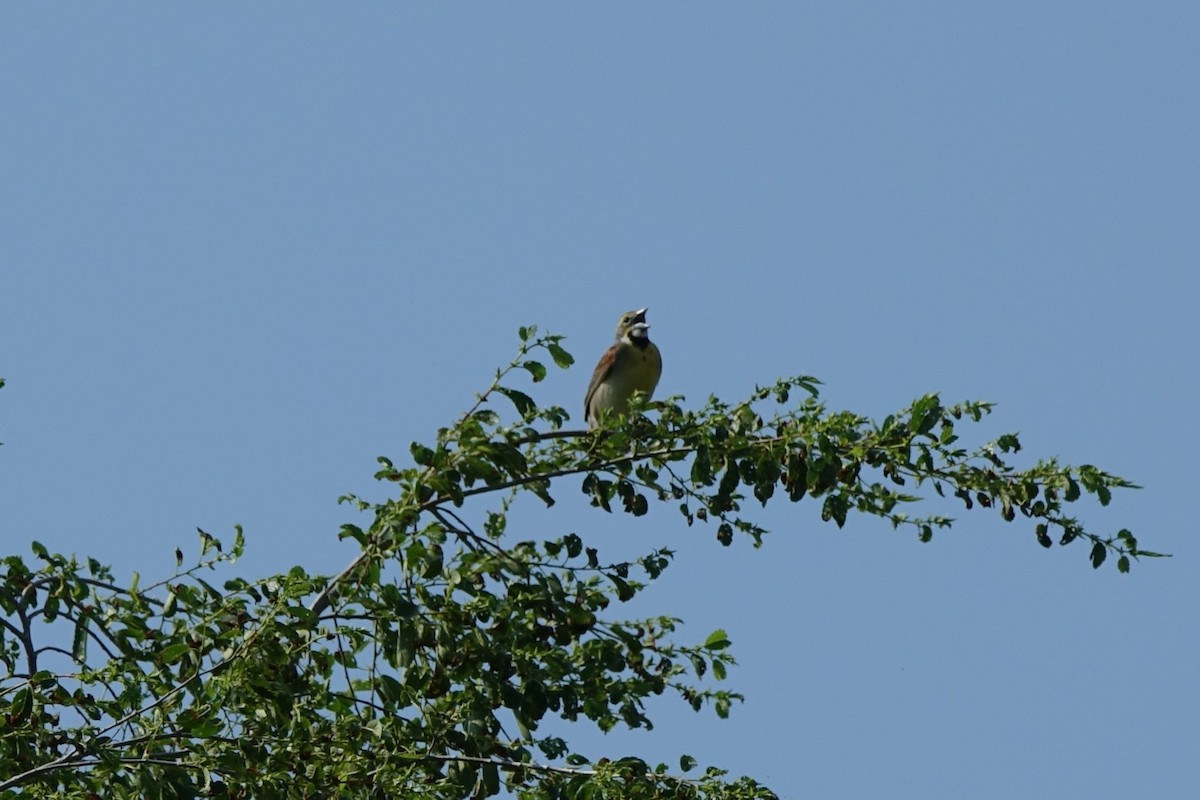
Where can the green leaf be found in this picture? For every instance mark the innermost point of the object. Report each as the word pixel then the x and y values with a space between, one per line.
pixel 717 640
pixel 574 544
pixel 486 416
pixel 702 467
pixel 523 402
pixel 624 590
pixel 925 414
pixel 686 763
pixel 491 780
pixel 641 506
pixel 390 688
pixel 173 652
pixel 1009 443
pixel 1099 553
pixel 535 369
pixel 421 454
pixel 1123 564
pixel 170 604
pixel 947 436
pixel 208 542
pixel 1128 540
pixel 601 492
pixel 79 644
pixel 561 357
pixel 729 482
pixel 835 508
pixel 21 706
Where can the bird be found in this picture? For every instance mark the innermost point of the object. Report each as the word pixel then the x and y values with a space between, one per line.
pixel 632 364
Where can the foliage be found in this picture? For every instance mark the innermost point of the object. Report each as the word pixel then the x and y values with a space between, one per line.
pixel 430 665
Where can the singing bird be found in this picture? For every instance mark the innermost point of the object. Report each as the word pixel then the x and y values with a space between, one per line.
pixel 632 364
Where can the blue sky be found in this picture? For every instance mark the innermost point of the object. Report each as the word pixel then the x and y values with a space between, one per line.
pixel 251 247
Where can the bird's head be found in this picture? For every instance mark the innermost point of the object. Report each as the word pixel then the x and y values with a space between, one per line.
pixel 633 326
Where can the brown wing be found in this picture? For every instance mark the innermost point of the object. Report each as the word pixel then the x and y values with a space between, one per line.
pixel 598 377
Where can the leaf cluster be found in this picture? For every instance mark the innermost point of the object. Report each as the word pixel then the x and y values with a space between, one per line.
pixel 432 663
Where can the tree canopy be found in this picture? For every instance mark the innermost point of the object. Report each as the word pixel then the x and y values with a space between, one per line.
pixel 431 663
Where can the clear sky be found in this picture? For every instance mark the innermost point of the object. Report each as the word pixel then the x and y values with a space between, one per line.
pixel 250 247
